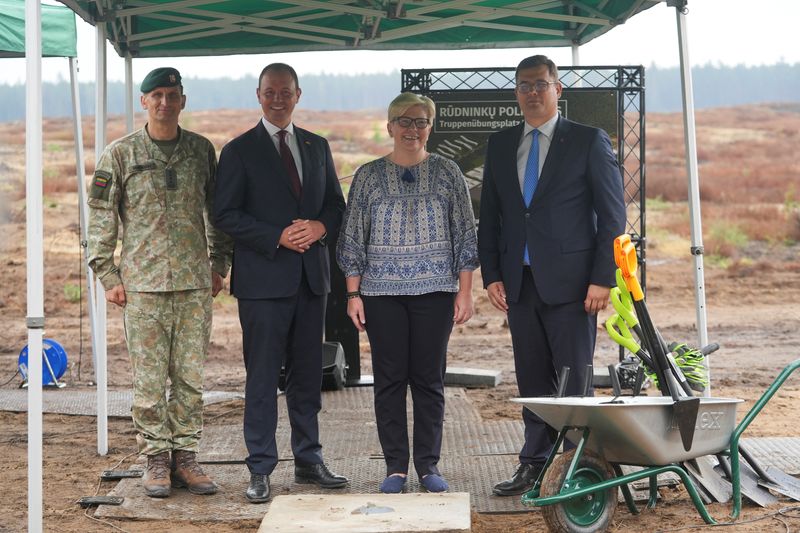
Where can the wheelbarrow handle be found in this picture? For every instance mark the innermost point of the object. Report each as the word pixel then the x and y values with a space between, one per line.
pixel 709 348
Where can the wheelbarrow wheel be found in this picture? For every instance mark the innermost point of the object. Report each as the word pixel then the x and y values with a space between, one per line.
pixel 588 514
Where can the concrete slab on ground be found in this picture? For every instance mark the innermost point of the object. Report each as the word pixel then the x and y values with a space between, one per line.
pixel 472 377
pixel 368 513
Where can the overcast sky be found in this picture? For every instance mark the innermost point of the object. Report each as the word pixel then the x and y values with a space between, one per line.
pixel 721 32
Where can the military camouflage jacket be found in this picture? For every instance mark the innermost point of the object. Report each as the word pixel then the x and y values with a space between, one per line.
pixel 164 204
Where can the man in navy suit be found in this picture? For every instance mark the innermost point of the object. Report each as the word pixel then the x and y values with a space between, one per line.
pixel 551 206
pixel 278 197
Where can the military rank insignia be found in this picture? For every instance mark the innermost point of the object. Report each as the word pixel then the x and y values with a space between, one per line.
pixel 101 185
pixel 170 179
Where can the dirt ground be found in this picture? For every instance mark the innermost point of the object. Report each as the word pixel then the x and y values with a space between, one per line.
pixel 753 313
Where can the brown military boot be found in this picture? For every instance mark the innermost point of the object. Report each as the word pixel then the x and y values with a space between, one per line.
pixel 186 472
pixel 156 477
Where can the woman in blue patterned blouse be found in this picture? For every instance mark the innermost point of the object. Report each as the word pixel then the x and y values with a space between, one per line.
pixel 408 249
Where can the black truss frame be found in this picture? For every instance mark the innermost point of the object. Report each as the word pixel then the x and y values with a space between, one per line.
pixel 626 81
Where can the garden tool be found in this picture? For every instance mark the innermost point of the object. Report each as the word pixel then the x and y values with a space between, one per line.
pixel 690 361
pixel 622 302
pixel 685 408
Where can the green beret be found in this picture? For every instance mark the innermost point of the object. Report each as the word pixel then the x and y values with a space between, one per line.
pixel 161 77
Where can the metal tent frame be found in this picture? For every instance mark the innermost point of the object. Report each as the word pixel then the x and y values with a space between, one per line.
pixel 169 28
pixel 158 28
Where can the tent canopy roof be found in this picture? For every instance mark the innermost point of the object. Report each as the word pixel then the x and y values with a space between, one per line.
pixel 59 35
pixel 163 28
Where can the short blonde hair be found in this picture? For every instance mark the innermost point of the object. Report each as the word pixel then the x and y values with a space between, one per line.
pixel 404 101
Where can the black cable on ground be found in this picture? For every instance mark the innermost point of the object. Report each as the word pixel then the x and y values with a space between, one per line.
pixel 10 379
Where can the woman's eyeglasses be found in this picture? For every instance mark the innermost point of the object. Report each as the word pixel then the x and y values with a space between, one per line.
pixel 406 122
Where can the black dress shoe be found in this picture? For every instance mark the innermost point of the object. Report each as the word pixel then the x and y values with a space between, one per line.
pixel 522 481
pixel 258 491
pixel 318 475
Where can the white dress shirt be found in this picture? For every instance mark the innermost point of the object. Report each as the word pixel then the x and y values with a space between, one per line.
pixel 291 142
pixel 546 132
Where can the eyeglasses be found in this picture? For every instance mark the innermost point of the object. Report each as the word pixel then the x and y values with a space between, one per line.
pixel 406 122
pixel 539 86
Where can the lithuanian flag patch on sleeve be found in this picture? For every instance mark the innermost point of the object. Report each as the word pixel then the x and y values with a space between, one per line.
pixel 101 185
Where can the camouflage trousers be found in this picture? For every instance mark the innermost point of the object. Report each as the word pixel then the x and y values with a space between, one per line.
pixel 168 335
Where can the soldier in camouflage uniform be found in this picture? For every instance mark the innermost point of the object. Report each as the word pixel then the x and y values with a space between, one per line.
pixel 159 183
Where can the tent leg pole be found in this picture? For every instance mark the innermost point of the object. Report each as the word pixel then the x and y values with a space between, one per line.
pixel 101 376
pixel 35 254
pixel 128 93
pixel 576 53
pixel 694 181
pixel 576 61
pixel 82 207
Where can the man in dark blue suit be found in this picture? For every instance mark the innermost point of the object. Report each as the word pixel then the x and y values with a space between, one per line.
pixel 551 206
pixel 278 197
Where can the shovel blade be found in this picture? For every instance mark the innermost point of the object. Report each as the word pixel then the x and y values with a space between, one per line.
pixel 788 485
pixel 703 472
pixel 685 412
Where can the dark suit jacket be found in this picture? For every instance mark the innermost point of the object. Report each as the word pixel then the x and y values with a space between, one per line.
pixel 576 212
pixel 254 203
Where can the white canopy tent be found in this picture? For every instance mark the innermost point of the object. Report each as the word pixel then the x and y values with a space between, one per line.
pixel 186 24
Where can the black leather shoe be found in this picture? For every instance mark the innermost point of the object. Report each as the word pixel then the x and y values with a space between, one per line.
pixel 318 475
pixel 258 491
pixel 522 481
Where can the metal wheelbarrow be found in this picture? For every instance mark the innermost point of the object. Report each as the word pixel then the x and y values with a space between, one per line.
pixel 578 489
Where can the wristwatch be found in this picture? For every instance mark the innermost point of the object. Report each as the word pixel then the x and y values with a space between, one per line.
pixel 324 239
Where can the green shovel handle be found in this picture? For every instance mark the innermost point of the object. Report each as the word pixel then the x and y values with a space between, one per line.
pixel 623 305
pixel 620 333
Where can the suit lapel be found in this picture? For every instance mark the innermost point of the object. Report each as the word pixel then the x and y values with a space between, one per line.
pixel 556 153
pixel 304 145
pixel 508 158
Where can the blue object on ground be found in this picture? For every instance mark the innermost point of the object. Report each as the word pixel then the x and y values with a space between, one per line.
pixel 54 354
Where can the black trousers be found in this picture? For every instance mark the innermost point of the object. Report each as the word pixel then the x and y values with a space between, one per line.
pixel 546 338
pixel 408 336
pixel 274 330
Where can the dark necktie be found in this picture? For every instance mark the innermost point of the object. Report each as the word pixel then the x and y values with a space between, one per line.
pixel 289 164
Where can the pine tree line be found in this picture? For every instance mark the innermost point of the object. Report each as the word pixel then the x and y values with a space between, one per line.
pixel 713 87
